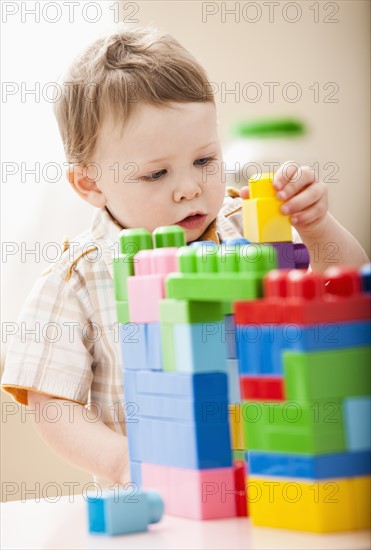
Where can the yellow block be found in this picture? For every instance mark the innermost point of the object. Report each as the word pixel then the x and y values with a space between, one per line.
pixel 362 500
pixel 317 506
pixel 262 187
pixel 263 222
pixel 235 423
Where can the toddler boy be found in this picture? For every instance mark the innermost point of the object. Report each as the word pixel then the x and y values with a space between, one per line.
pixel 139 127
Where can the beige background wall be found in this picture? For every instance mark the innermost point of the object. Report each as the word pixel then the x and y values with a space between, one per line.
pixel 235 51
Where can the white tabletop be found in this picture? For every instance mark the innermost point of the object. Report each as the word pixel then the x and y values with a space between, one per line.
pixel 63 525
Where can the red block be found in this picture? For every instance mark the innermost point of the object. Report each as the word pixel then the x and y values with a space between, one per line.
pixel 298 296
pixel 239 469
pixel 269 388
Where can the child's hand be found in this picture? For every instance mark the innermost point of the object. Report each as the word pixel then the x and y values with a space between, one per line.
pixel 305 199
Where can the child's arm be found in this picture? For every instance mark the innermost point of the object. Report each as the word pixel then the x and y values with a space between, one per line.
pixel 306 202
pixel 90 446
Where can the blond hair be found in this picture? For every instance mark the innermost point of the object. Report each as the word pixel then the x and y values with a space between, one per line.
pixel 117 72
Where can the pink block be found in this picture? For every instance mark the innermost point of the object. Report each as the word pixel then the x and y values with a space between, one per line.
pixel 194 494
pixel 164 260
pixel 143 262
pixel 144 295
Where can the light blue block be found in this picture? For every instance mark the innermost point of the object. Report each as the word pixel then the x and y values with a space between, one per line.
pixel 154 348
pixel 234 392
pixel 173 408
pixel 136 473
pixel 200 347
pixel 205 385
pixel 135 438
pixel 230 337
pixel 357 423
pixel 133 343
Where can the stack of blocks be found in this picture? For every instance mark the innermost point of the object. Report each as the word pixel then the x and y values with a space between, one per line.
pixel 202 348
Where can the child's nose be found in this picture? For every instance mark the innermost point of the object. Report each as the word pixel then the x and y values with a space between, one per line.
pixel 187 189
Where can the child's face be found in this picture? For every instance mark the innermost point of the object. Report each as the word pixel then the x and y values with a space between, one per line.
pixel 164 168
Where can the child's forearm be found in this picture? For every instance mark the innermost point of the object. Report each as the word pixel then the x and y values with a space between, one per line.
pixel 90 446
pixel 331 244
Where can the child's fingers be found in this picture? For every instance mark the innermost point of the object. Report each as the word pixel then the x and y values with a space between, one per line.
pixel 244 192
pixel 314 212
pixel 308 196
pixel 303 177
pixel 285 172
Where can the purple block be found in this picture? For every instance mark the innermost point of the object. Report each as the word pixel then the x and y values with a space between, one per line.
pixel 291 256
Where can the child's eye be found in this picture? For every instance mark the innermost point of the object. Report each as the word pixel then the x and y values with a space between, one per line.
pixel 154 176
pixel 203 161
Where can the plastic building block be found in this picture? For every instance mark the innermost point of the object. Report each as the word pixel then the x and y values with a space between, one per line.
pixel 122 312
pixel 164 260
pixel 291 255
pixel 168 347
pixel 122 512
pixel 199 347
pixel 134 240
pixel 136 473
pixel 194 445
pixel 235 422
pixel 169 236
pixel 314 428
pixel 239 468
pixel 305 466
pixel 357 423
pixel 238 455
pixel 145 293
pixel 193 494
pixel 201 386
pixel 133 340
pixel 267 388
pixel 323 507
pixel 365 273
pixel 340 373
pixel 362 501
pixel 154 350
pixel 230 336
pixel 262 219
pixel 234 393
pixel 123 267
pixel 183 311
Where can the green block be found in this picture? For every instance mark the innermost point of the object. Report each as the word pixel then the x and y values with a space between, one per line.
pixel 214 287
pixel 339 373
pixel 169 236
pixel 183 311
pixel 239 455
pixel 123 267
pixel 122 312
pixel 134 240
pixel 207 258
pixel 168 347
pixel 294 427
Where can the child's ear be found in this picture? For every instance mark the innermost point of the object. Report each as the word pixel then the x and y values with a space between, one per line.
pixel 85 186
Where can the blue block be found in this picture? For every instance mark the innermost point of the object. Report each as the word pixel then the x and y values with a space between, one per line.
pixel 186 444
pixel 199 347
pixel 136 473
pixel 260 347
pixel 123 511
pixel 234 392
pixel 133 343
pixel 154 348
pixel 176 409
pixel 135 438
pixel 237 241
pixel 129 383
pixel 365 273
pixel 334 465
pixel 230 337
pixel 198 386
pixel 357 423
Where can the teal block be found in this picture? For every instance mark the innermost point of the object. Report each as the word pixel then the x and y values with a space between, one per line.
pixel 357 423
pixel 200 347
pixel 340 373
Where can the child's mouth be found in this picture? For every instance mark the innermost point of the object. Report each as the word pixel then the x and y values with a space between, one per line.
pixel 193 222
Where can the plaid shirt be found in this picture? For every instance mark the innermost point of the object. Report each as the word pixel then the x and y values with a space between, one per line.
pixel 68 342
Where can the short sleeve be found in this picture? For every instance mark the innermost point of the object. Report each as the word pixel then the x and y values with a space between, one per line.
pixel 51 350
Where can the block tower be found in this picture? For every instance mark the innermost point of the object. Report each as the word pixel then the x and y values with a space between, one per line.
pixel 213 335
